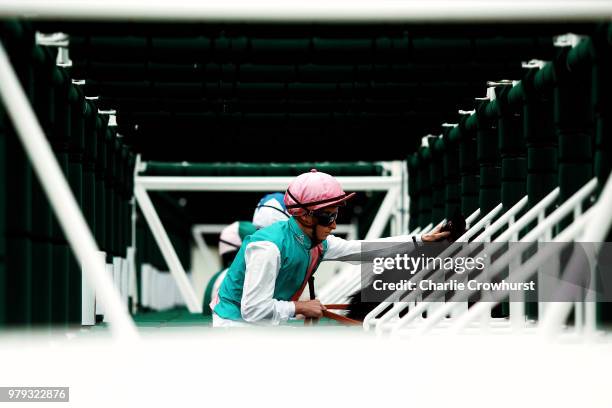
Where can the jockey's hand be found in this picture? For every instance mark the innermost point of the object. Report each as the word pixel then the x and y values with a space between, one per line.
pixel 309 308
pixel 435 235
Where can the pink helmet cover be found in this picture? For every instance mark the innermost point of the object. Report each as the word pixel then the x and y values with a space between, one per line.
pixel 314 190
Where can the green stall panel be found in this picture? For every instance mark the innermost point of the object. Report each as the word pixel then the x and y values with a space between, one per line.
pixel 89 166
pixel 109 185
pixel 18 38
pixel 513 180
pixel 413 169
pixel 468 166
pixel 542 148
pixel 19 226
pixel 75 179
pixel 601 96
pixel 42 256
pixel 436 174
pixel 42 217
pixel 61 256
pixel 573 123
pixel 489 162
pixel 3 201
pixel 424 187
pixel 452 177
pixel 119 157
pixel 140 255
pixel 511 142
pixel 100 193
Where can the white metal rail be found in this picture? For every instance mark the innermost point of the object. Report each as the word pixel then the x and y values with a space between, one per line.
pixel 511 233
pixel 483 309
pixel 308 11
pixel 187 183
pixel 543 230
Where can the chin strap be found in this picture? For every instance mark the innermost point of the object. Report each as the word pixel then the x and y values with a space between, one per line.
pixel 314 241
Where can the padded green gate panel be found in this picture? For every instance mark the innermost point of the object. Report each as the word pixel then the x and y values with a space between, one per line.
pixel 119 249
pixel 3 199
pixel 452 178
pixel 413 168
pixel 424 187
pixel 89 167
pixel 75 179
pixel 542 160
pixel 488 160
pixel 42 256
pixel 18 38
pixel 140 252
pixel 100 183
pixel 513 180
pixel 468 166
pixel 511 142
pixel 436 172
pixel 19 227
pixel 109 185
pixel 61 256
pixel 125 175
pixel 574 129
pixel 602 105
pixel 42 235
pixel 572 175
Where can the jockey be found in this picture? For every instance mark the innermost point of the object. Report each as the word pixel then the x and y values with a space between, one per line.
pixel 273 265
pixel 230 241
pixel 270 209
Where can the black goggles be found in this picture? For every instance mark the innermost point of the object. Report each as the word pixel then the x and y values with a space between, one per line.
pixel 325 219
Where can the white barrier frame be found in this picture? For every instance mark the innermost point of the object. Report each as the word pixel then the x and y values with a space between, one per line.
pixel 144 184
pixel 542 230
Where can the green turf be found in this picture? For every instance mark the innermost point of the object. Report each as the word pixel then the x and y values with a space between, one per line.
pixel 182 317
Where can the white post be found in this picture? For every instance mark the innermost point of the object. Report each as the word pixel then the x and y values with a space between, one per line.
pixel 60 196
pixel 88 296
pixel 132 281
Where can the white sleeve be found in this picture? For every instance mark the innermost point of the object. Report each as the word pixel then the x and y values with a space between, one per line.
pixel 262 260
pixel 338 247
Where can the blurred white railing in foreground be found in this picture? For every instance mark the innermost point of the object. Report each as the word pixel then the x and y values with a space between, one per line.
pixel 453 316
